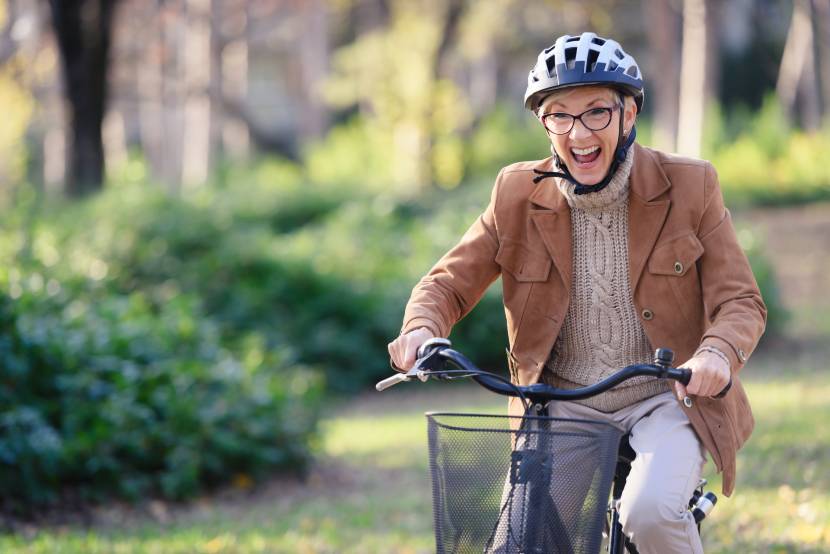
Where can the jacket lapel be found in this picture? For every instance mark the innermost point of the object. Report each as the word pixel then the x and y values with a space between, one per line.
pixel 646 214
pixel 552 218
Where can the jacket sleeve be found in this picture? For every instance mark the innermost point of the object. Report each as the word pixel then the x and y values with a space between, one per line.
pixel 733 304
pixel 458 281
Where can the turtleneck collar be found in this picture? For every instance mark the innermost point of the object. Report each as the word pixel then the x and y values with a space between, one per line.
pixel 615 193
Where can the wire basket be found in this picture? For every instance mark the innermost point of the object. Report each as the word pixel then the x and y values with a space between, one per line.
pixel 543 489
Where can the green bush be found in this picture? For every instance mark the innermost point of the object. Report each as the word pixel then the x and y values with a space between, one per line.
pixel 762 161
pixel 504 137
pixel 107 393
pixel 116 379
pixel 777 315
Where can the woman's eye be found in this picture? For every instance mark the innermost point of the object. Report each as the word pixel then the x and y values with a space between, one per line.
pixel 561 117
pixel 597 112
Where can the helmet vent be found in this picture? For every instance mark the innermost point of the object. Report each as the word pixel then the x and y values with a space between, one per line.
pixel 612 65
pixel 551 63
pixel 619 54
pixel 631 71
pixel 592 60
pixel 570 57
pixel 598 41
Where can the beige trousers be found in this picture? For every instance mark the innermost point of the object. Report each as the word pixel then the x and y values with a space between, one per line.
pixel 654 504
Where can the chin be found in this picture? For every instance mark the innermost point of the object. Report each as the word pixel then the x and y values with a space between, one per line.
pixel 591 177
pixel 589 181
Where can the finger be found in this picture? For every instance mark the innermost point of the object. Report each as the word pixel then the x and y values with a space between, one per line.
pixel 712 384
pixel 703 382
pixel 410 352
pixel 694 383
pixel 680 390
pixel 709 380
pixel 394 355
pixel 400 355
pixel 719 382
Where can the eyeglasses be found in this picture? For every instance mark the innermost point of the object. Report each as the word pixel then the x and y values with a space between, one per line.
pixel 595 119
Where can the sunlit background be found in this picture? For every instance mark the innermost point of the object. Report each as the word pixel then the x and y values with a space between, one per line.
pixel 212 213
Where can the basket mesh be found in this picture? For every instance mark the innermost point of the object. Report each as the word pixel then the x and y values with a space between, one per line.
pixel 547 494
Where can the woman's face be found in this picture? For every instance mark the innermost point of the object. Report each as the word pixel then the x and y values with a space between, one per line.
pixel 588 154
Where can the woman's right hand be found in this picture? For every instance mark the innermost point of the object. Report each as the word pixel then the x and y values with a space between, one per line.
pixel 402 350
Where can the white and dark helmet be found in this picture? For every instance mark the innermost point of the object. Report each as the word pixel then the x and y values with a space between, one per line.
pixel 586 59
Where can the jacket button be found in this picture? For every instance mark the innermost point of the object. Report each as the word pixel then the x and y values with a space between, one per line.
pixel 648 314
pixel 742 354
pixel 678 267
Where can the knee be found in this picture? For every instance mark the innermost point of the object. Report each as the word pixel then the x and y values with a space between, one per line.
pixel 646 514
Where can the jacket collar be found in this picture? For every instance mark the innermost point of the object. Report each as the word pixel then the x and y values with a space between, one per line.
pixel 648 180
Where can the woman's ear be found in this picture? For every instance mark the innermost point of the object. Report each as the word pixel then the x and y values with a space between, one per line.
pixel 629 114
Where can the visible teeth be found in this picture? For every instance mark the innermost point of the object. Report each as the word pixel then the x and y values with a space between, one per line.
pixel 585 151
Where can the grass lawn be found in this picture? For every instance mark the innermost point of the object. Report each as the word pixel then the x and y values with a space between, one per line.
pixel 370 492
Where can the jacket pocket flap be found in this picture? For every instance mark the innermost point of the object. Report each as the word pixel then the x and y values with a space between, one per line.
pixel 523 264
pixel 676 256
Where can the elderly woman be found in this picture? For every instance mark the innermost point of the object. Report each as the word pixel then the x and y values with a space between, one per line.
pixel 606 250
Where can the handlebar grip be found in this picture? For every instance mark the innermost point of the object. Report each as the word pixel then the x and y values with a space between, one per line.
pixel 391 381
pixel 430 344
pixel 680 374
pixel 685 375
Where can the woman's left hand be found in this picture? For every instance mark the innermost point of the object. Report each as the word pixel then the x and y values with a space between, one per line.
pixel 710 375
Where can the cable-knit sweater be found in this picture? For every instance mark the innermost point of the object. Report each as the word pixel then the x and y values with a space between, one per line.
pixel 601 332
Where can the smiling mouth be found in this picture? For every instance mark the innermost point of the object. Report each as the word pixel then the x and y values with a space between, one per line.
pixel 586 156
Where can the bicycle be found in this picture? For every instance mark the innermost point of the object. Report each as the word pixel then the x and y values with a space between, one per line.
pixel 471 458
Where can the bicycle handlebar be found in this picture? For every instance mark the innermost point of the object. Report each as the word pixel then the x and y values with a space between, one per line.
pixel 435 352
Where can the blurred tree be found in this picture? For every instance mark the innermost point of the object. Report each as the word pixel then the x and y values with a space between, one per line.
pixel 823 48
pixel 797 75
pixel 692 78
pixel 662 30
pixel 196 104
pixel 16 99
pixel 83 32
pixel 396 73
pixel 314 61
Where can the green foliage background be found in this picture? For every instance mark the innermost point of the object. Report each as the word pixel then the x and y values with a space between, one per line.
pixel 161 344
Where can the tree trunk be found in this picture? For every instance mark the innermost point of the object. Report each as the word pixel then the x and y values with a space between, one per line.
pixel 714 18
pixel 822 13
pixel 662 29
pixel 196 102
pixel 149 77
pixel 82 29
pixel 692 78
pixel 314 52
pixel 797 72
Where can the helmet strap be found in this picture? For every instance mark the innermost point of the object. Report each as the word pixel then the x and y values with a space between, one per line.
pixel 623 144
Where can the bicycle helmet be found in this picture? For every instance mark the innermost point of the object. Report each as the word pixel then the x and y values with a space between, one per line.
pixel 586 59
pixel 582 60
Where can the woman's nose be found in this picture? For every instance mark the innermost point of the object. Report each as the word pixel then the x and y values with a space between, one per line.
pixel 579 130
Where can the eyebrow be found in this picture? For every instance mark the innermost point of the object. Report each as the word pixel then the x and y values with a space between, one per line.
pixel 591 103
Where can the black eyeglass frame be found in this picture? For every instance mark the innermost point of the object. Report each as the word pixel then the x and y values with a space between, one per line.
pixel 573 117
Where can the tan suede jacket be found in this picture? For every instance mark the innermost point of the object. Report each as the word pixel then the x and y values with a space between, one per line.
pixel 691 281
